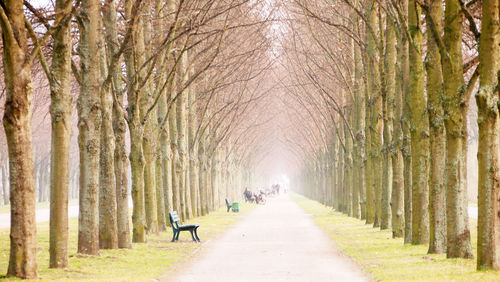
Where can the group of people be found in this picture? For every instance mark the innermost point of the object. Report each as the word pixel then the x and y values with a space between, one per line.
pixel 260 197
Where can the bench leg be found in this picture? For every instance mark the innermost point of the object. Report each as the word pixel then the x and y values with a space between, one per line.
pixel 196 234
pixel 177 237
pixel 192 235
pixel 173 237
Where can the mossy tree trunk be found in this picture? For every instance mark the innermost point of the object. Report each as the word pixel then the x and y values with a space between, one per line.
pixel 388 113
pixel 359 128
pixel 488 244
pixel 455 105
pixel 89 125
pixel 136 128
pixel 60 111
pixel 419 129
pixel 371 68
pixel 347 203
pixel 405 123
pixel 437 189
pixel 398 188
pixel 149 139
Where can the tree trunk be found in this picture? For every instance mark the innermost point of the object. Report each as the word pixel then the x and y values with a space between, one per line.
pixel 193 152
pixel 455 105
pixel 371 91
pixel 137 166
pixel 419 131
pixel 340 174
pixel 149 139
pixel 119 128
pixel 40 182
pixel 108 228
pixel 388 113
pixel 398 184
pixel 487 101
pixel 437 189
pixel 46 182
pixel 175 165
pixel 5 182
pixel 347 165
pixel 60 111
pixel 359 127
pixel 406 142
pixel 17 125
pixel 166 157
pixel 203 176
pixel 185 192
pixel 133 59
pixel 89 126
pixel 150 176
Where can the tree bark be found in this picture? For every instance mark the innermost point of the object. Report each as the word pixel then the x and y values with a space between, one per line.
pixel 185 194
pixel 149 139
pixel 193 152
pixel 60 111
pixel 406 136
pixel 437 189
pixel 419 130
pixel 455 105
pixel 388 113
pixel 166 155
pixel 89 125
pixel 359 127
pixel 108 228
pixel 488 226
pixel 175 165
pixel 119 128
pixel 136 127
pixel 17 125
pixel 371 91
pixel 398 184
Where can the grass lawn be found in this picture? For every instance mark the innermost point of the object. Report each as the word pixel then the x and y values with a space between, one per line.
pixel 389 259
pixel 144 262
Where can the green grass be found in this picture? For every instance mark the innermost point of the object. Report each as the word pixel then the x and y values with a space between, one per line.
pixel 144 262
pixel 389 259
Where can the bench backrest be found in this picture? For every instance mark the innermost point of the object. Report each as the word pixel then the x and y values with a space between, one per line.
pixel 174 219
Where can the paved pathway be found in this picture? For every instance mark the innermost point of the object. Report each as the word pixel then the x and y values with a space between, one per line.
pixel 42 215
pixel 276 242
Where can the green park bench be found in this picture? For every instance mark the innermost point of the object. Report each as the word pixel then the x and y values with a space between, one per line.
pixel 174 221
pixel 235 206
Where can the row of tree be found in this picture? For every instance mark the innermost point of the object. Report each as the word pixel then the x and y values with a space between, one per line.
pixel 174 80
pixel 383 90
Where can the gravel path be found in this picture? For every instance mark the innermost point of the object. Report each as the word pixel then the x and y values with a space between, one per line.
pixel 276 242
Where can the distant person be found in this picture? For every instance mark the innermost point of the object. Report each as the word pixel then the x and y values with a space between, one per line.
pixel 248 195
